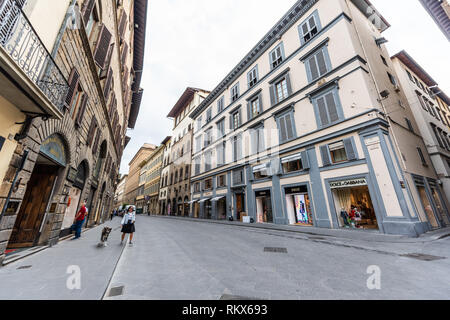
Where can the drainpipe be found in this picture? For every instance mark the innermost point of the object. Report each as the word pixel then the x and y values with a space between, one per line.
pixel 22 164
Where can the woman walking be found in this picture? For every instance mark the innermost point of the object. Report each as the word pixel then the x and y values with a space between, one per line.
pixel 128 227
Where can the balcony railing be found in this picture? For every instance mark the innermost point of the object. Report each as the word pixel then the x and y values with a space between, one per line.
pixel 19 39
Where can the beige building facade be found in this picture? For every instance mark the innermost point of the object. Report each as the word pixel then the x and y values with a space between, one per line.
pixel 431 112
pixel 308 129
pixel 65 104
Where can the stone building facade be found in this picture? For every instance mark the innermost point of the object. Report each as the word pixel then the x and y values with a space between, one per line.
pixel 72 154
pixel 308 129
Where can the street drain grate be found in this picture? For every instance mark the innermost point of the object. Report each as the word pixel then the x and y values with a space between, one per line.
pixel 24 267
pixel 232 297
pixel 116 291
pixel 423 257
pixel 275 250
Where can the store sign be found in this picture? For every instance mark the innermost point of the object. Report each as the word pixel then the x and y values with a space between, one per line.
pixel 54 149
pixel 296 190
pixel 348 183
pixel 262 193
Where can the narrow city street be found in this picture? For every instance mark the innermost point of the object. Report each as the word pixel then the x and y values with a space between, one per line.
pixel 183 259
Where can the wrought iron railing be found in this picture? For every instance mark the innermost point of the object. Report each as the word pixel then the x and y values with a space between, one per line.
pixel 19 39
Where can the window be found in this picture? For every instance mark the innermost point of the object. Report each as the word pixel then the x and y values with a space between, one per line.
pixel 238 177
pixel 236 120
pixel 309 28
pixel 220 154
pixel 199 123
pixel 252 77
pixel 257 139
pixel 327 108
pixel 409 75
pixel 422 102
pixel 318 64
pixel 261 171
pixel 208 137
pixel 208 159
pixel 384 60
pixel 280 88
pixel 208 115
pixel 254 107
pixel 437 135
pixel 197 187
pixel 198 144
pixel 276 56
pixel 286 126
pixel 422 157
pixel 237 148
pixel 197 165
pixel 208 184
pixel 338 152
pixel 222 181
pixel 221 128
pixel 220 105
pixel 409 124
pixel 235 92
pixel 296 162
pixel 392 79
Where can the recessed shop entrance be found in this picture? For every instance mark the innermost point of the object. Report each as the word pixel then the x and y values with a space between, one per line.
pixel 354 205
pixel 298 206
pixel 264 207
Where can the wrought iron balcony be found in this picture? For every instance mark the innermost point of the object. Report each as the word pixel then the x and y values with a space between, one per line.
pixel 23 45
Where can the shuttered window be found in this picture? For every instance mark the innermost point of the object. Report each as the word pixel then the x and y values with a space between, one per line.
pixel 238 177
pixel 125 79
pixel 257 139
pixel 81 111
pixel 327 108
pixel 122 24
pixel 422 157
pixel 338 152
pixel 96 142
pixel 87 10
pixel 252 77
pixel 318 64
pixel 92 130
pixel 280 89
pixel 101 51
pixel 73 86
pixel 108 83
pixel 220 151
pixel 286 127
pixel 309 28
pixel 237 148
pixel 124 54
pixel 276 56
pixel 104 72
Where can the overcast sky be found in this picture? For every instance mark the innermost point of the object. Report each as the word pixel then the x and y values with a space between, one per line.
pixel 196 43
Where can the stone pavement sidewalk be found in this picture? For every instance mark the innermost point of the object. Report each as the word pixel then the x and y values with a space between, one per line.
pixel 44 275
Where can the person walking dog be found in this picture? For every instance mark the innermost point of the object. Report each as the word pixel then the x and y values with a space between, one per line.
pixel 128 222
pixel 79 220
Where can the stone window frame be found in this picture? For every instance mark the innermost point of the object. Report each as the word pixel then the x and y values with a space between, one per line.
pixel 280 46
pixel 315 16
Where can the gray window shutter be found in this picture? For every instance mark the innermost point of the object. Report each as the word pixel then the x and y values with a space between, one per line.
pixel 282 128
pixel 231 122
pixel 261 109
pixel 350 149
pixel 288 83
pixel 322 111
pixel 305 160
pixel 239 148
pixel 289 127
pixel 260 139
pixel 249 111
pixel 322 66
pixel 254 140
pixel 325 155
pixel 332 109
pixel 313 68
pixel 272 95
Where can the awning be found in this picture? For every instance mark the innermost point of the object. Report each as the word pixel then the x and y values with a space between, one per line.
pixel 260 168
pixel 192 201
pixel 217 198
pixel 203 200
pixel 294 157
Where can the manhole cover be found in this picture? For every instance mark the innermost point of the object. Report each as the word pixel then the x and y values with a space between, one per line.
pixel 116 291
pixel 423 257
pixel 232 297
pixel 24 267
pixel 276 250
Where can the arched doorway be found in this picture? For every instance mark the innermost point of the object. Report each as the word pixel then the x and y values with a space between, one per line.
pixel 49 164
pixel 74 199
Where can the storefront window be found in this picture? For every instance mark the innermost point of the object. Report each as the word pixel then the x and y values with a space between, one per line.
pixel 427 206
pixel 298 206
pixel 354 205
pixel 264 207
pixel 338 153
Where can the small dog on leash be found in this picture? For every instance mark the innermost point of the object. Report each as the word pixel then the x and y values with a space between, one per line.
pixel 104 238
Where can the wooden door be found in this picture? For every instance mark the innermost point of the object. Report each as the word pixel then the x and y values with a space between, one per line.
pixel 239 205
pixel 32 211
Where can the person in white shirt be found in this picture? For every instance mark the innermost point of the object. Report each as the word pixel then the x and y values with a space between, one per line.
pixel 128 222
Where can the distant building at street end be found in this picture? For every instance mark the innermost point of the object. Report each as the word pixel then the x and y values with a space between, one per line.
pixel 120 192
pixel 430 106
pixel 134 186
pixel 439 10
pixel 177 163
